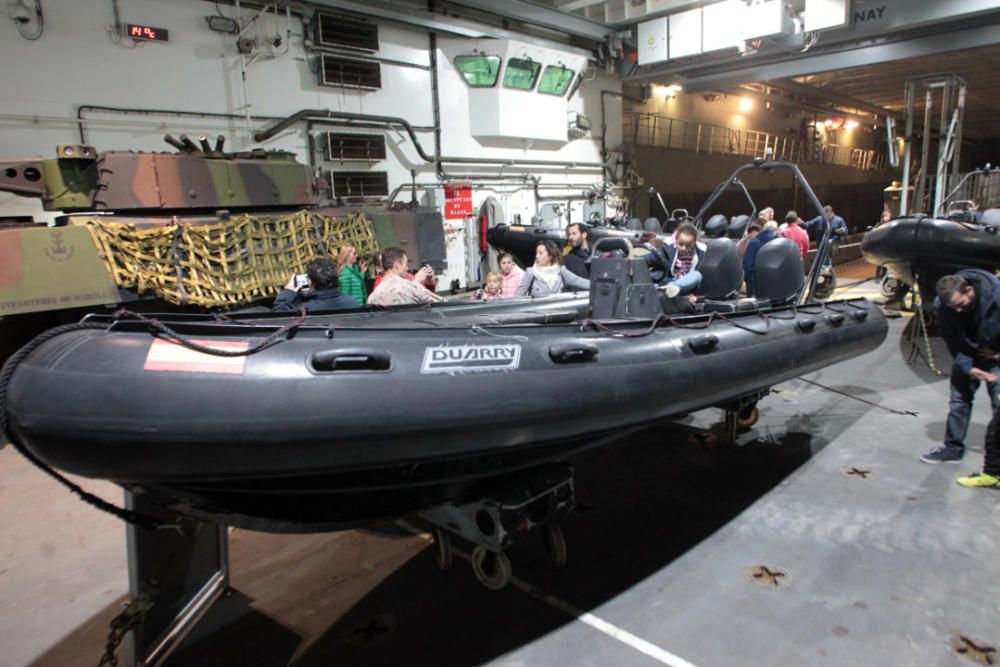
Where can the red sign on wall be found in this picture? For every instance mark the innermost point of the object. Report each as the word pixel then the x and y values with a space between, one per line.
pixel 457 201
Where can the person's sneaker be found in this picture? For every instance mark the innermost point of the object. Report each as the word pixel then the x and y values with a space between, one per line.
pixel 671 290
pixel 943 454
pixel 979 480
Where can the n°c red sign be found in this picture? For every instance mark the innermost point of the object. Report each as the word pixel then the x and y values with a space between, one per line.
pixel 457 201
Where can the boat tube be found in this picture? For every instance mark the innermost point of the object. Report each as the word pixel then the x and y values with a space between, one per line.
pixel 327 425
pixel 308 422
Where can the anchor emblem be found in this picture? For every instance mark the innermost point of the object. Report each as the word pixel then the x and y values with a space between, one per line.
pixel 58 252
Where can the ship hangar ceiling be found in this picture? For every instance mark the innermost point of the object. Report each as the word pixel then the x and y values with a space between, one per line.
pixel 861 66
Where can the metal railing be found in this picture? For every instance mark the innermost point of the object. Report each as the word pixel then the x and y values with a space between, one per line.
pixel 981 188
pixel 650 129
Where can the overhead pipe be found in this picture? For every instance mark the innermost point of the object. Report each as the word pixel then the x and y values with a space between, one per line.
pixel 326 115
pixel 486 186
pixel 317 115
pixel 441 173
pixel 534 180
pixel 243 71
pixel 80 110
pixel 435 103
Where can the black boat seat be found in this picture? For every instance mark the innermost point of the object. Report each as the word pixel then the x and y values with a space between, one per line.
pixel 622 288
pixel 716 227
pixel 652 225
pixel 721 270
pixel 779 271
pixel 738 227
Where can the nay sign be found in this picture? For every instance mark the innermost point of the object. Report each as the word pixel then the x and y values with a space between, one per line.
pixel 866 15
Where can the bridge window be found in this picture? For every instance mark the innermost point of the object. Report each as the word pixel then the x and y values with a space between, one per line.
pixel 521 74
pixel 576 86
pixel 480 71
pixel 555 80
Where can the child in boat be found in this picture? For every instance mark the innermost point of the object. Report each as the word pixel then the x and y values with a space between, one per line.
pixel 491 289
pixel 510 274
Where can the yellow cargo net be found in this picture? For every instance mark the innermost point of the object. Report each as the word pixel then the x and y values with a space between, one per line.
pixel 229 263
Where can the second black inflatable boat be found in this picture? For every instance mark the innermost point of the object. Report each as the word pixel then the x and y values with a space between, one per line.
pixel 921 249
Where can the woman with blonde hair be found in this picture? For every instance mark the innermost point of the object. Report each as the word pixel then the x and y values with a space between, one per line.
pixel 352 273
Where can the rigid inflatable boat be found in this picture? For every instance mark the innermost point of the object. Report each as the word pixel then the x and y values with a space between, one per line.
pixel 314 424
pixel 924 248
pixel 305 422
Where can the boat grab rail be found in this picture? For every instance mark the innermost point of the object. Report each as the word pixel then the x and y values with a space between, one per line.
pixel 704 321
pixel 613 328
pixel 158 326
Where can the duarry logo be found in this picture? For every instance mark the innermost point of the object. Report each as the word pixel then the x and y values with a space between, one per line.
pixel 471 358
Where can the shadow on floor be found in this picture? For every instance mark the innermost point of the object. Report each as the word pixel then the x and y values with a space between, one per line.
pixel 641 504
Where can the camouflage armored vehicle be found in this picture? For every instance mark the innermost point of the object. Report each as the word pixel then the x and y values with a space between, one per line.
pixel 195 228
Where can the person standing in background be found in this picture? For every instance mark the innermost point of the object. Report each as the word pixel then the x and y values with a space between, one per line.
pixel 352 274
pixel 795 233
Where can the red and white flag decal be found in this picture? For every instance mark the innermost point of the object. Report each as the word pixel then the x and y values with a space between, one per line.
pixel 168 355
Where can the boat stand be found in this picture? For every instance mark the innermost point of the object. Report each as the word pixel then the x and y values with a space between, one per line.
pixel 741 413
pixel 175 575
pixel 507 512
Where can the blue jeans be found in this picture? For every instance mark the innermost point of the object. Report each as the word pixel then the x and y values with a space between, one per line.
pixel 963 391
pixel 688 282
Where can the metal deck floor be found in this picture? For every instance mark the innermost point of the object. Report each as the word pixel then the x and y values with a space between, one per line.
pixel 890 564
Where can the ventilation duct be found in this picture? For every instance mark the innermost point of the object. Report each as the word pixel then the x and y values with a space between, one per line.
pixel 354 184
pixel 364 147
pixel 349 73
pixel 341 31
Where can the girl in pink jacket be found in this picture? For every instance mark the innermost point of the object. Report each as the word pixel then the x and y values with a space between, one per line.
pixel 510 275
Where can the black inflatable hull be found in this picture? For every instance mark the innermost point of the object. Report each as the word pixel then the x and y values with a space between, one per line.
pixel 931 248
pixel 339 424
pixel 521 240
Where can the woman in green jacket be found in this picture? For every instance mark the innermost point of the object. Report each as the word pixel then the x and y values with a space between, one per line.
pixel 352 274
